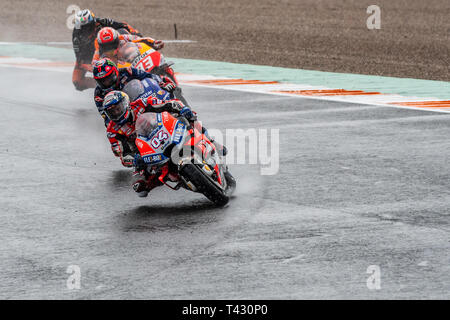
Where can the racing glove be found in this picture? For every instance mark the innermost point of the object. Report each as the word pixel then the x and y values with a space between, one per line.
pixel 167 84
pixel 158 44
pixel 188 114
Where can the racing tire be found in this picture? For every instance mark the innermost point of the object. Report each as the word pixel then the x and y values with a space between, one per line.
pixel 204 185
pixel 231 183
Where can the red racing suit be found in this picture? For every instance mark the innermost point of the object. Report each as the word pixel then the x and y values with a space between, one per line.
pixel 122 137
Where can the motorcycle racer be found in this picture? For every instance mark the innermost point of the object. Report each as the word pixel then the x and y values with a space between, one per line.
pixel 121 130
pixel 83 38
pixel 109 78
pixel 109 42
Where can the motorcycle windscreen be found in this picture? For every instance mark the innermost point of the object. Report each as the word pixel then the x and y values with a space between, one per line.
pixel 145 88
pixel 128 52
pixel 134 89
pixel 152 138
pixel 146 123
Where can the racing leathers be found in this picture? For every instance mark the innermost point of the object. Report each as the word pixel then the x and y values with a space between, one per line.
pixel 123 40
pixel 125 76
pixel 83 45
pixel 122 137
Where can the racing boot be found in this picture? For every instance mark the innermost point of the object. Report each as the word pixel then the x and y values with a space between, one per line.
pixel 143 187
pixel 140 187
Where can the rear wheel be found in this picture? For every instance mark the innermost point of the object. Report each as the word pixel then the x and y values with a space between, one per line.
pixel 203 183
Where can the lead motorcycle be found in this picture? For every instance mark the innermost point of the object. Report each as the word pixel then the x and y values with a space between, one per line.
pixel 182 156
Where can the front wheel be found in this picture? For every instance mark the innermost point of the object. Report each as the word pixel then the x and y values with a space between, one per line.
pixel 204 185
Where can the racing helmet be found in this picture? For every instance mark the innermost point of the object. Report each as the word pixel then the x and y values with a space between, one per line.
pixel 106 73
pixel 116 105
pixel 108 39
pixel 84 19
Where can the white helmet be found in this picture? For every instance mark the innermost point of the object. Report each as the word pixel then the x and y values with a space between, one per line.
pixel 83 17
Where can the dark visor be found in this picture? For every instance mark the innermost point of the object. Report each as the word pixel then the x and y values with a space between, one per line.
pixel 108 81
pixel 115 111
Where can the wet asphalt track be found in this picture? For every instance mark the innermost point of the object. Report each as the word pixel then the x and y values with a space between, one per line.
pixel 358 186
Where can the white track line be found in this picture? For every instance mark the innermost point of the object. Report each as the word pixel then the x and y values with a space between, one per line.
pixel 261 88
pixel 331 99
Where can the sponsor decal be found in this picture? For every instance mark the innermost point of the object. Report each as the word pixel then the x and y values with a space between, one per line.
pixel 154 158
pixel 159 139
pixel 179 130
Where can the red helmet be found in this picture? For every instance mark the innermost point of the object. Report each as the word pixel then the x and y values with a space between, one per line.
pixel 108 39
pixel 106 74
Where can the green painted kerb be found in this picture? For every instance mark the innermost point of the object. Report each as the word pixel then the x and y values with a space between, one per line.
pixel 37 52
pixel 402 86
